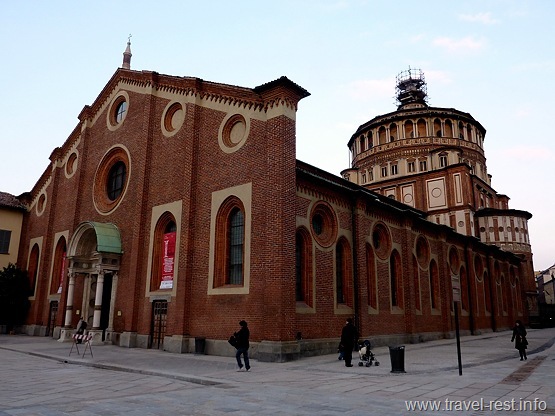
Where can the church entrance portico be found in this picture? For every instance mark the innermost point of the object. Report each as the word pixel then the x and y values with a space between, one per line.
pixel 94 255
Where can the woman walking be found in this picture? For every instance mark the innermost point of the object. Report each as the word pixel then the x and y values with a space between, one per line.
pixel 242 345
pixel 519 337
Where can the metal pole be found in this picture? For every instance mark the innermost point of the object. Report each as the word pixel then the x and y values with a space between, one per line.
pixel 456 304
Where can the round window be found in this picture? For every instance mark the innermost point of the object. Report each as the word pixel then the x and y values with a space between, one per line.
pixel 381 241
pixel 233 133
pixel 111 179
pixel 324 224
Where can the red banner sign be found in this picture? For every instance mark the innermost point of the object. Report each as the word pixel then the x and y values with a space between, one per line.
pixel 168 257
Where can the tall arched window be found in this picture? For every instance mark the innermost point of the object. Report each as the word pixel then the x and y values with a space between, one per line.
pixel 33 268
pixel 393 134
pixel 163 256
pixel 437 127
pixel 504 297
pixel 230 243
pixel 487 292
pixel 396 279
pixel 409 127
pixel 371 277
pixel 303 267
pixel 382 139
pixel 434 285
pixel 416 274
pixel 60 267
pixel 236 243
pixel 343 273
pixel 448 128
pixel 464 289
pixel 421 125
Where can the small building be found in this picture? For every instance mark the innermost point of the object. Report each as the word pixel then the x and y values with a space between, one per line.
pixel 11 221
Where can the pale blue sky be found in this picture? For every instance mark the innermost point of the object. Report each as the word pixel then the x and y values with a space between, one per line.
pixel 490 58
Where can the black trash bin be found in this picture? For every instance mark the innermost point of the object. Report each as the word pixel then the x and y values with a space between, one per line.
pixel 397 355
pixel 200 345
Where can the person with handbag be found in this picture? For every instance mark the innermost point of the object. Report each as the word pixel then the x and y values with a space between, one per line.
pixel 242 345
pixel 519 338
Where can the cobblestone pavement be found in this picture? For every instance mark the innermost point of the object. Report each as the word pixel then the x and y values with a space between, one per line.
pixel 39 377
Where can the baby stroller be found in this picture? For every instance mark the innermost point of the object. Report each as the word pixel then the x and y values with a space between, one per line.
pixel 366 354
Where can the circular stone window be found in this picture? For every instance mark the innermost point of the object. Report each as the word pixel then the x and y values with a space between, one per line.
pixel 422 252
pixel 111 179
pixel 381 241
pixel 233 133
pixel 454 260
pixel 71 165
pixel 117 111
pixel 323 224
pixel 41 204
pixel 172 119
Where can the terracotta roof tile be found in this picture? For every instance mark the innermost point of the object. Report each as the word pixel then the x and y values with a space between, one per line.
pixel 9 201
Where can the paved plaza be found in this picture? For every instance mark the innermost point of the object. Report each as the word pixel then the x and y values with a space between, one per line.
pixel 39 377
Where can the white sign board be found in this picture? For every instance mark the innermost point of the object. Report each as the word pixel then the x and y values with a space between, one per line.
pixel 456 286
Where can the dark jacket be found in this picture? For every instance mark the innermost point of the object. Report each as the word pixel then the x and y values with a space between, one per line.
pixel 81 326
pixel 349 336
pixel 519 336
pixel 242 338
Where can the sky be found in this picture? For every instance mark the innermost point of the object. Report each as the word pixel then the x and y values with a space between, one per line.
pixel 490 58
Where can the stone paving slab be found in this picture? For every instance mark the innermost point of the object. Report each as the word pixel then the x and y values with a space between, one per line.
pixel 45 380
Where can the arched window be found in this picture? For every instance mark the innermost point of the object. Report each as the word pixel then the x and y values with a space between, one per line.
pixel 437 127
pixel 504 298
pixel 469 133
pixel 303 267
pixel 60 267
pixel 487 292
pixel 163 256
pixel 236 243
pixel 33 268
pixel 434 285
pixel 421 125
pixel 416 274
pixel 382 139
pixel 464 289
pixel 371 277
pixel 343 273
pixel 230 243
pixel 409 129
pixel 393 135
pixel 362 143
pixel 396 279
pixel 448 128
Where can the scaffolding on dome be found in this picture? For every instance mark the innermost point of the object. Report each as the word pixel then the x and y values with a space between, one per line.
pixel 410 87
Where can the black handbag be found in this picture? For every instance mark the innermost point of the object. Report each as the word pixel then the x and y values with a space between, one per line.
pixel 232 341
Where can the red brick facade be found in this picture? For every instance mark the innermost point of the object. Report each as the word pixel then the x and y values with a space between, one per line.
pixel 189 147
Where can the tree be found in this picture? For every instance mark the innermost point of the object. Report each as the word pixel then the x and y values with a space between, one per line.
pixel 14 296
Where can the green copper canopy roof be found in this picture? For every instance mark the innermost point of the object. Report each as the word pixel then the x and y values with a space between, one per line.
pixel 107 238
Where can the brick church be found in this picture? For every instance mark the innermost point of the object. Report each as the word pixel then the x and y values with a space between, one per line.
pixel 177 207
